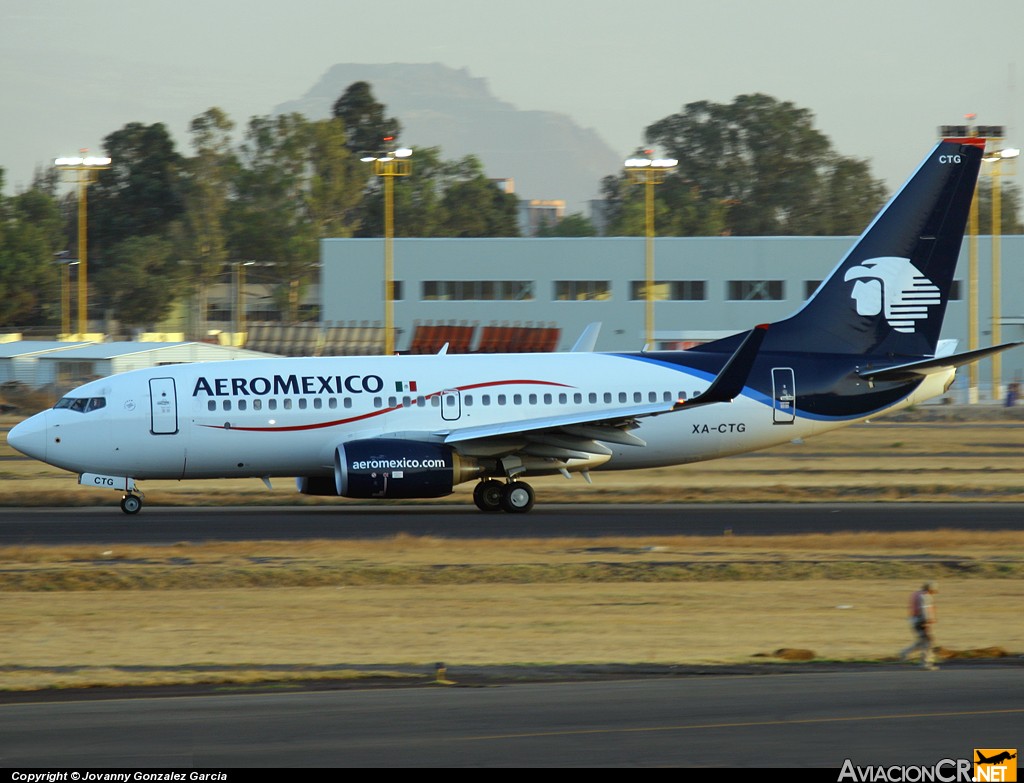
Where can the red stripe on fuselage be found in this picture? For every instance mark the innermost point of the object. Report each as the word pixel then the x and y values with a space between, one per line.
pixel 361 417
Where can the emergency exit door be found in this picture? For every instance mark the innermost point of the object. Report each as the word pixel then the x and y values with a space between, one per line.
pixel 783 395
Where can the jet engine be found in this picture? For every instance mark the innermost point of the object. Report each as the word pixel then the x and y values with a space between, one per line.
pixel 384 468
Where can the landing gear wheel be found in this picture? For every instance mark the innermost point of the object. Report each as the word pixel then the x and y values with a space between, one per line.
pixel 487 495
pixel 517 497
pixel 131 504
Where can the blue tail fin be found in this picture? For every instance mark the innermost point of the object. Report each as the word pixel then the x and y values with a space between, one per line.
pixel 888 295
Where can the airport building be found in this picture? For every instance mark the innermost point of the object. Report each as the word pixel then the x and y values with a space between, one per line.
pixel 706 287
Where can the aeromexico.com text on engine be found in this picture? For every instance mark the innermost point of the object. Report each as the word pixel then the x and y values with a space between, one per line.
pixel 288 384
pixel 397 464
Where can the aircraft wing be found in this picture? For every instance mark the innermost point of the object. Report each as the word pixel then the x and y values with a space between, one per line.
pixel 578 434
pixel 919 369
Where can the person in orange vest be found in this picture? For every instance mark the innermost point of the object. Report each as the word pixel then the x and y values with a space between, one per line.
pixel 922 618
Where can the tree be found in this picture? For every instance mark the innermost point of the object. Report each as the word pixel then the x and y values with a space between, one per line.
pixel 765 162
pixel 267 222
pixel 141 193
pixel 574 225
pixel 201 236
pixel 141 279
pixel 679 209
pixel 366 127
pixel 443 199
pixel 473 206
pixel 30 235
pixel 1009 210
pixel 337 181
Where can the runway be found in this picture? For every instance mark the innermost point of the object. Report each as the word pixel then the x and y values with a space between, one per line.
pixel 811 716
pixel 895 716
pixel 161 525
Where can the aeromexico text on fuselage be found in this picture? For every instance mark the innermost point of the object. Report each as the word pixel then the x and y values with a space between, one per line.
pixel 295 384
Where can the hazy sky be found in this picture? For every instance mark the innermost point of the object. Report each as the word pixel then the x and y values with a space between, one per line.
pixel 879 75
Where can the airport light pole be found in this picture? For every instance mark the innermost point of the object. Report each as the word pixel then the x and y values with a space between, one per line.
pixel 388 165
pixel 996 159
pixel 86 169
pixel 649 172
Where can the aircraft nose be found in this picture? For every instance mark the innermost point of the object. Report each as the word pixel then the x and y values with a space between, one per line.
pixel 29 437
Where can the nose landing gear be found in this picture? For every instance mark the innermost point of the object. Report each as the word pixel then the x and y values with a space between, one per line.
pixel 131 504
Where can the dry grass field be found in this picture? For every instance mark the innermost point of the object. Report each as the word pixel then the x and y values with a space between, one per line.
pixel 243 612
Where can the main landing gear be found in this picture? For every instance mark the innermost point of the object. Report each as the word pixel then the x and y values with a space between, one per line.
pixel 131 504
pixel 515 497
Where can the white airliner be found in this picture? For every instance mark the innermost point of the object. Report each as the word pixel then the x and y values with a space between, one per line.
pixel 866 342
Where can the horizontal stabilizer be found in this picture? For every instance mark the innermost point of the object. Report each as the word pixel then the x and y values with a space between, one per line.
pixel 919 369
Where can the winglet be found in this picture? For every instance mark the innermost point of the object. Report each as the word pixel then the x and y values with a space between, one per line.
pixel 728 384
pixel 587 339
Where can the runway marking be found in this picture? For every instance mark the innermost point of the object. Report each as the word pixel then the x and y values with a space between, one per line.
pixel 744 724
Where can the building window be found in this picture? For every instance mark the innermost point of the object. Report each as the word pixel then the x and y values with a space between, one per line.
pixel 477 290
pixel 756 290
pixel 670 290
pixel 954 291
pixel 810 286
pixel 582 290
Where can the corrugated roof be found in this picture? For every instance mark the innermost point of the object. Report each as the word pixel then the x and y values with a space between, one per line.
pixel 21 348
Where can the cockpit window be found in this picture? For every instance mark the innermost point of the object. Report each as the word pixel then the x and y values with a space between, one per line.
pixel 82 404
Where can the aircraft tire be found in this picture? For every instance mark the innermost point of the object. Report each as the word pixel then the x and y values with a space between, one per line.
pixel 487 495
pixel 517 497
pixel 131 504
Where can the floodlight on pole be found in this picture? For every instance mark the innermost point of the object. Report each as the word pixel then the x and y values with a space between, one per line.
pixel 996 159
pixel 649 171
pixel 387 165
pixel 86 169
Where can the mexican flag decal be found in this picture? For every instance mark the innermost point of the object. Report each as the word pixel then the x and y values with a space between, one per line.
pixel 405 386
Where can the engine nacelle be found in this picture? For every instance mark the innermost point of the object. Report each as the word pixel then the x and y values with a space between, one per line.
pixel 392 469
pixel 317 485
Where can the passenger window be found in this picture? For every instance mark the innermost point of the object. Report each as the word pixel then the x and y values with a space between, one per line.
pixel 532 399
pixel 637 397
pixel 435 401
pixel 607 396
pixel 421 401
pixel 318 403
pixel 623 397
pixel 485 399
pixel 547 399
pixel 257 404
pixel 563 399
pixel 272 405
pixel 392 402
pixel 468 399
pixel 332 403
pixel 226 405
pixel 242 405
pixel 211 405
pixel 378 402
pixel 652 396
pixel 517 399
pixel 577 398
pixel 348 402
pixel 667 397
pixel 592 397
pixel 286 403
pixel 303 402
pixel 501 399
